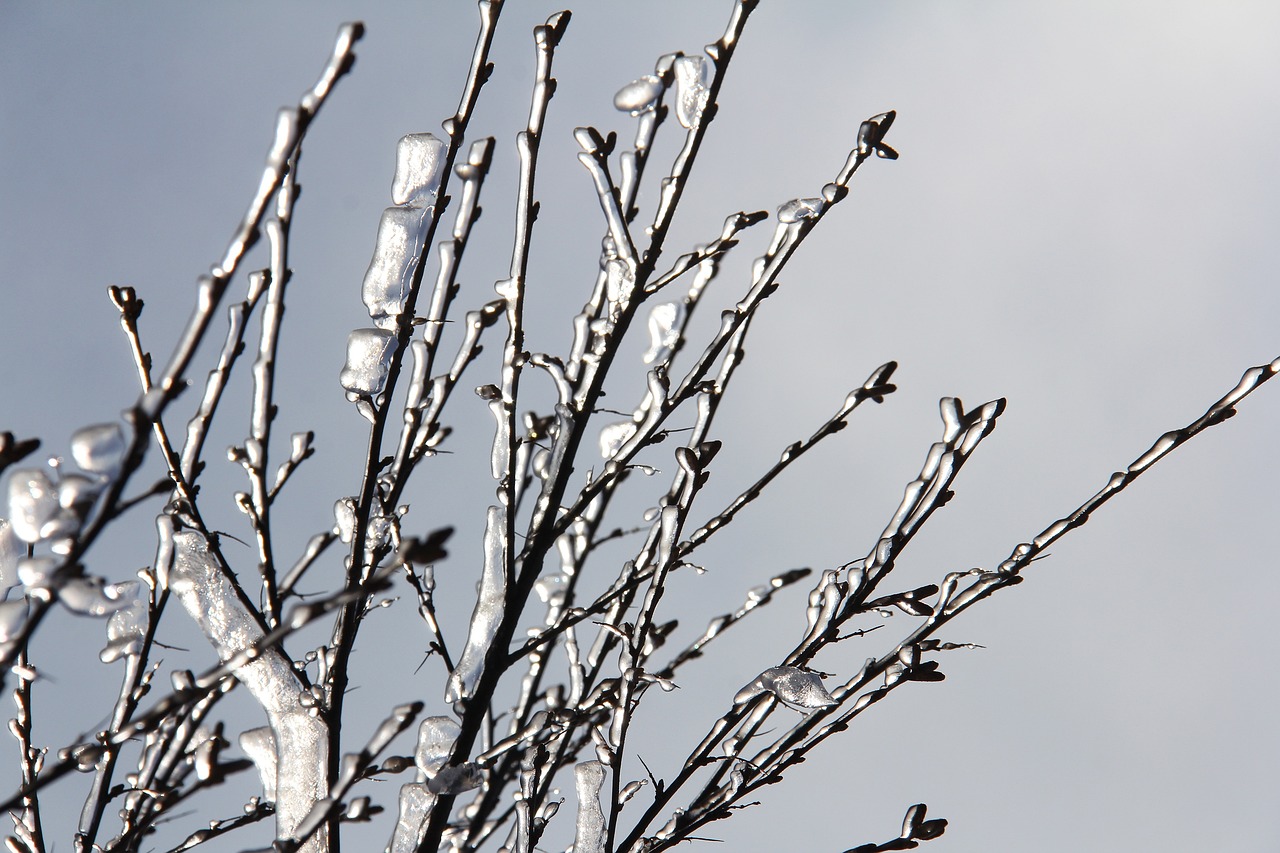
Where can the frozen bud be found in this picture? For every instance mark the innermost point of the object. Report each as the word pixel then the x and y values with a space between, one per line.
pixel 99 449
pixel 639 96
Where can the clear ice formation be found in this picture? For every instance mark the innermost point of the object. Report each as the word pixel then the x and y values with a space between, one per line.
pixel 800 208
pixel 10 553
pixel 588 777
pixel 99 449
pixel 613 436
pixel 13 615
pixel 395 254
pixel 126 626
pixel 260 746
pixel 435 742
pixel 369 354
pixel 691 89
pixel 90 596
pixel 639 96
pixel 664 330
pixel 419 167
pixel 488 611
pixel 344 519
pixel 797 688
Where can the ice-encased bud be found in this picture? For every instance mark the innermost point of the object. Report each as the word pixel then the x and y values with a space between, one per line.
pixel 619 279
pixel 99 449
pixel 368 362
pixel 613 436
pixel 419 166
pixel 389 277
pixel 795 687
pixel 639 96
pixel 77 493
pixel 38 572
pixel 260 745
pixel 33 503
pixel 664 330
pixel 691 89
pixel 799 208
pixel 91 596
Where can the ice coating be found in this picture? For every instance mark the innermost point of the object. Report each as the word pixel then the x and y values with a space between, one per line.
pixel 588 779
pixel 38 573
pixel 800 208
pixel 10 552
pixel 260 746
pixel 99 449
pixel 369 354
pixel 390 274
pixel 664 330
pixel 639 96
pixel 33 503
pixel 419 166
pixel 77 493
pixel 488 610
pixel 456 779
pixel 620 280
pixel 691 89
pixel 613 436
pixel 196 578
pixel 795 687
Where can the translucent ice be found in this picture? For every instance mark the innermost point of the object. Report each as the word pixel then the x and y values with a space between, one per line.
pixel 588 777
pixel 795 687
pixel 38 572
pixel 10 551
pixel 33 503
pixel 13 614
pixel 488 611
pixel 260 745
pixel 344 519
pixel 664 330
pixel 691 89
pixel 369 354
pixel 613 436
pixel 126 627
pixel 799 208
pixel 456 779
pixel 639 96
pixel 620 279
pixel 435 741
pixel 419 167
pixel 98 449
pixel 390 274
pixel 415 804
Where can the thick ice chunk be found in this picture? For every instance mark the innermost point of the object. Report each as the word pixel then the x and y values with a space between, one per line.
pixel 419 166
pixel 99 449
pixel 369 354
pixel 390 274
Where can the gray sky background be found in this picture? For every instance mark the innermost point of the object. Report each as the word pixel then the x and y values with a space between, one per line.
pixel 1083 221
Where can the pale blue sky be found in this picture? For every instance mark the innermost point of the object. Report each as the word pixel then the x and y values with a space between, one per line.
pixel 1082 221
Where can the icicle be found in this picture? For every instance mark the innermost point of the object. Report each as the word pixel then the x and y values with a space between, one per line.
pixel 588 779
pixel 488 610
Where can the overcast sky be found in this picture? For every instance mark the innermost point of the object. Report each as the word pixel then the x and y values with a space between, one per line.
pixel 1082 220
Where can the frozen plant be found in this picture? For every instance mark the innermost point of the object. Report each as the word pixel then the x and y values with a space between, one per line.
pixel 539 693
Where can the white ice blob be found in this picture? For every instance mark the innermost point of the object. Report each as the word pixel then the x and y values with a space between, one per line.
pixel 10 552
pixel 691 89
pixel 344 519
pixel 99 449
pixel 793 686
pixel 419 167
pixel 127 626
pixel 369 354
pixel 799 208
pixel 639 96
pixel 435 742
pixel 13 615
pixel 395 254
pixel 33 503
pixel 91 596
pixel 664 330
